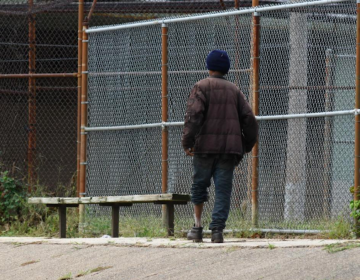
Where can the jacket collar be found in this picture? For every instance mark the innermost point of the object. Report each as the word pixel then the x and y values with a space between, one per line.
pixel 217 76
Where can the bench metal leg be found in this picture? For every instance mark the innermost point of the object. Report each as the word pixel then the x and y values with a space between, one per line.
pixel 62 221
pixel 115 221
pixel 170 219
pixel 115 216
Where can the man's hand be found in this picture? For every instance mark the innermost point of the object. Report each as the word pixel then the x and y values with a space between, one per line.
pixel 190 152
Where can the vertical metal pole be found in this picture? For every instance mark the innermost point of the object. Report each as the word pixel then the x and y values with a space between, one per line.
pixel 237 4
pixel 62 221
pixel 83 138
pixel 255 93
pixel 80 22
pixel 238 189
pixel 327 135
pixel 32 99
pixel 294 204
pixel 115 220
pixel 357 117
pixel 237 41
pixel 164 115
pixel 170 219
pixel 164 104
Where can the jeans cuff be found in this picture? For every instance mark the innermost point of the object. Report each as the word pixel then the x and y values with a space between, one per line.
pixel 199 200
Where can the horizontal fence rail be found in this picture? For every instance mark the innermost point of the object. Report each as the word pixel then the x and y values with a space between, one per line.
pixel 214 15
pixel 259 118
pixel 299 67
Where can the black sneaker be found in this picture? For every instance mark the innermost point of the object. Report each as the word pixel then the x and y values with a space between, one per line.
pixel 217 236
pixel 195 234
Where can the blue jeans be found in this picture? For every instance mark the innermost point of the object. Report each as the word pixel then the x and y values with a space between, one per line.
pixel 222 171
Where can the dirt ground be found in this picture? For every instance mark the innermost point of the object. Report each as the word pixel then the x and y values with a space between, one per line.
pixel 90 260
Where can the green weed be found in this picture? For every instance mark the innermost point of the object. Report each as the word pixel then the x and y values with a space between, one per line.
pixel 66 277
pixel 231 249
pixel 100 268
pixel 338 247
pixel 339 229
pixel 18 218
pixel 12 197
pixel 83 273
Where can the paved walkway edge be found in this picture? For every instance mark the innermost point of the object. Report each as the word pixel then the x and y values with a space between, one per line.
pixel 178 243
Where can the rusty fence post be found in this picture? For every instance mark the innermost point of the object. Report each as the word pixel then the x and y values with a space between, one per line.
pixel 83 133
pixel 78 145
pixel 164 117
pixel 357 116
pixel 31 153
pixel 255 94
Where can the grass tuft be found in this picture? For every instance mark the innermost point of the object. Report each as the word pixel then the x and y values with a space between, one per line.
pixel 338 247
pixel 100 268
pixel 97 269
pixel 231 249
pixel 66 277
pixel 82 273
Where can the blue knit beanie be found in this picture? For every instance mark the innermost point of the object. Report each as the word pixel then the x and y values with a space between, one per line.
pixel 218 60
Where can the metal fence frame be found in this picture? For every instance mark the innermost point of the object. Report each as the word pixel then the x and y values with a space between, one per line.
pixel 256 11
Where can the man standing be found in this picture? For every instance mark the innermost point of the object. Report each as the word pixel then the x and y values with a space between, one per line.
pixel 220 128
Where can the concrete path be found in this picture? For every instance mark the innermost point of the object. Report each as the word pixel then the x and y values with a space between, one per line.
pixel 142 258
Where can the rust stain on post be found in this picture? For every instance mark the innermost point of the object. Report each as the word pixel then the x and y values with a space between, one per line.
pixel 84 96
pixel 255 104
pixel 83 134
pixel 164 104
pixel 78 146
pixel 92 9
pixel 357 117
pixel 31 153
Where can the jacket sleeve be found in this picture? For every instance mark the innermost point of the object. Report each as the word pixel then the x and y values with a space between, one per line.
pixel 248 124
pixel 194 117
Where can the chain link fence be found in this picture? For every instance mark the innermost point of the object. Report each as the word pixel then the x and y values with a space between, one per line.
pixel 307 65
pixel 306 105
pixel 38 124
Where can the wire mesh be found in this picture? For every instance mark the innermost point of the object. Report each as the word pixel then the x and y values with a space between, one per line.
pixel 303 71
pixel 55 51
pixel 125 80
pixel 14 124
pixel 306 66
pixel 56 105
pixel 188 45
pixel 124 89
pixel 38 123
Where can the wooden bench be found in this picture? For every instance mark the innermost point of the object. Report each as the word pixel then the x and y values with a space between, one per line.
pixel 115 202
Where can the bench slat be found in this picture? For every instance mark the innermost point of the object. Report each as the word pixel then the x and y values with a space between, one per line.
pixel 110 199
